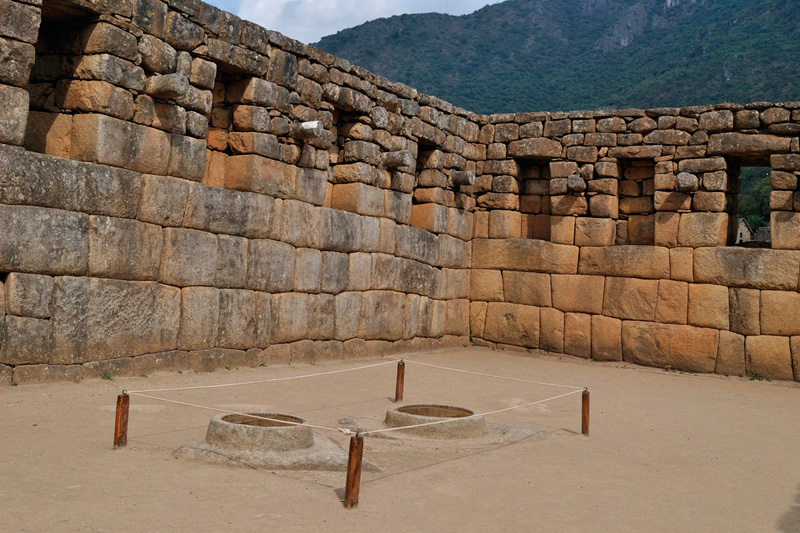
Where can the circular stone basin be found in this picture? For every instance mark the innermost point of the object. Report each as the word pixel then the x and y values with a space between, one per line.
pixel 458 425
pixel 238 432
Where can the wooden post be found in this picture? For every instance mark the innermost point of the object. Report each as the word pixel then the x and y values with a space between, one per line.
pixel 353 483
pixel 401 378
pixel 121 423
pixel 585 414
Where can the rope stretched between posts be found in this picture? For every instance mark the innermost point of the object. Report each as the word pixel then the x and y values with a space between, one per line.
pixel 273 380
pixel 476 415
pixel 346 431
pixel 494 376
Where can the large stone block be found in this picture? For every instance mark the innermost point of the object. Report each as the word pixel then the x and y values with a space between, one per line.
pixel 334 272
pixel 742 144
pixel 745 311
pixel 29 295
pixel 703 229
pixel 512 324
pixel 769 357
pixel 16 60
pixel 111 69
pixel 308 270
pixel 322 317
pixel 562 230
pixel 359 272
pixel 730 359
pixel 358 198
pixel 708 306
pixel 629 261
pixel 231 262
pixel 263 325
pixel 606 338
pixel 382 316
pixel 681 264
pixel 664 345
pixel 189 257
pixel 673 302
pixel 29 374
pixel 578 334
pixel 411 316
pixel 199 318
pixel 47 241
pixel 259 174
pixel 340 231
pixel 487 285
pixel 19 21
pixel 109 368
pixel 528 288
pixel 26 341
pixel 535 148
pixel 237 319
pixel 417 244
pixel 290 317
pixel 525 255
pixel 124 249
pixel 457 318
pixel 477 318
pixel 96 319
pixel 95 97
pixel 187 158
pixel 577 293
pixel 749 268
pixel 14 102
pixel 780 313
pixel 301 224
pixel 415 277
pixel 163 200
pixel 785 230
pixel 348 311
pixel 551 336
pixel 118 143
pixel 270 266
pixel 452 252
pixel 49 133
pixel 595 231
pixel 630 298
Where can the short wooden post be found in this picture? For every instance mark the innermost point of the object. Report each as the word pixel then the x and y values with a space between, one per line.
pixel 353 483
pixel 401 378
pixel 585 413
pixel 121 423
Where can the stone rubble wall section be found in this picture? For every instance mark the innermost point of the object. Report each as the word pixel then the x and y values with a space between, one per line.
pixel 188 189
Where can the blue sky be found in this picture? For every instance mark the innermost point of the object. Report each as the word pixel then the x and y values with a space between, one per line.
pixel 310 20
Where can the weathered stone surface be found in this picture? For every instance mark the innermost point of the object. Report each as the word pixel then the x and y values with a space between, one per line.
pixel 673 302
pixel 110 368
pixel 551 336
pixel 49 133
pixel 382 316
pixel 95 97
pixel 270 266
pixel 578 334
pixel 163 200
pixel 225 211
pixel 795 343
pixel 321 316
pixel 308 270
pixel 334 272
pixel 96 319
pixel 535 148
pixel 29 374
pixel 606 338
pixel 160 362
pixel 348 311
pixel 742 144
pixel 26 341
pixel 187 158
pixel 708 306
pixel 785 230
pixel 524 254
pixel 200 312
pixel 47 241
pixel 263 319
pixel 16 60
pixel 580 294
pixel 730 359
pixel 487 286
pixel 237 319
pixel 628 261
pixel 417 244
pixel 697 230
pixel 124 249
pixel 745 311
pixel 112 69
pixel 342 231
pixel 262 175
pixel 189 257
pixel 748 268
pixel 527 288
pixel 14 102
pixel 28 295
pixel 595 231
pixel 769 357
pixel 512 324
pixel 630 298
pixel 290 317
pixel 231 262
pixel 562 230
pixel 663 345
pixel 780 313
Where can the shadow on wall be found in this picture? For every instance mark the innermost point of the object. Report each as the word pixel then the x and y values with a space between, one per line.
pixel 790 522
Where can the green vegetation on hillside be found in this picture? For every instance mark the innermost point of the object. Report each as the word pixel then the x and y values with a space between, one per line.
pixel 526 55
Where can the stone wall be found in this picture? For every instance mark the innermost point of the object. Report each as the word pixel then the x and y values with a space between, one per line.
pixel 180 188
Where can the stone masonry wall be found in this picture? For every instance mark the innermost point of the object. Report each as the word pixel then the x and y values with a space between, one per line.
pixel 180 188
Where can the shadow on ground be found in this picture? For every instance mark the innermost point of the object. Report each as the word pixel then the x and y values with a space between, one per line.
pixel 790 522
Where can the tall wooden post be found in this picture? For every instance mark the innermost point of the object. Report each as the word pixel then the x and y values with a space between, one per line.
pixel 401 378
pixel 585 413
pixel 353 483
pixel 121 423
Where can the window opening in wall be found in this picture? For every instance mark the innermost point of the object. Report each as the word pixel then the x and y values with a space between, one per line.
pixel 636 210
pixel 534 200
pixel 220 127
pixel 753 217
pixel 58 50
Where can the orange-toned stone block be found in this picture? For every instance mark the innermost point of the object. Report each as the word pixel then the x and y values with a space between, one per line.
pixel 216 163
pixel 673 302
pixel 360 198
pixel 504 224
pixel 630 298
pixel 562 230
pixel 477 318
pixel 595 231
pixel 487 286
pixel 681 264
pixel 480 225
pixel 512 324
pixel 770 357
pixel 578 334
pixel 730 359
pixel 780 313
pixel 551 336
pixel 708 306
pixel 529 288
pixel 430 217
pixel 578 294
pixel 606 338
pixel 667 345
pixel 666 229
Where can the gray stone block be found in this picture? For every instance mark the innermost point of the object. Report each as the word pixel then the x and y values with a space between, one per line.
pixel 237 319
pixel 334 272
pixel 20 22
pixel 231 262
pixel 340 230
pixel 225 211
pixel 96 319
pixel 124 249
pixel 301 224
pixel 452 252
pixel 411 316
pixel 163 200
pixel 308 270
pixel 417 244
pixel 14 102
pixel 270 266
pixel 385 269
pixel 157 56
pixel 26 341
pixel 204 361
pixel 200 312
pixel 29 295
pixel 30 374
pixel 148 364
pixel 187 157
pixel 263 326
pixel 348 311
pixel 42 240
pixel 359 272
pixel 321 317
pixel 16 61
pixel 310 186
pixel 290 317
pixel 189 257
pixel 381 316
pixel 109 368
pixel 417 278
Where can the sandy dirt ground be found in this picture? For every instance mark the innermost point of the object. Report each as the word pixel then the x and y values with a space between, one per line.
pixel 667 452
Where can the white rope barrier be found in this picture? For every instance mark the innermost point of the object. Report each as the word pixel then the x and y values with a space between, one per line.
pixel 493 376
pixel 476 415
pixel 273 380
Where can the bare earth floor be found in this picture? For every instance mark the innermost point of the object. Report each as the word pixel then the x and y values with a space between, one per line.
pixel 667 452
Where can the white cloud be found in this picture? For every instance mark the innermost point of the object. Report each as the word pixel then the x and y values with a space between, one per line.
pixel 310 20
